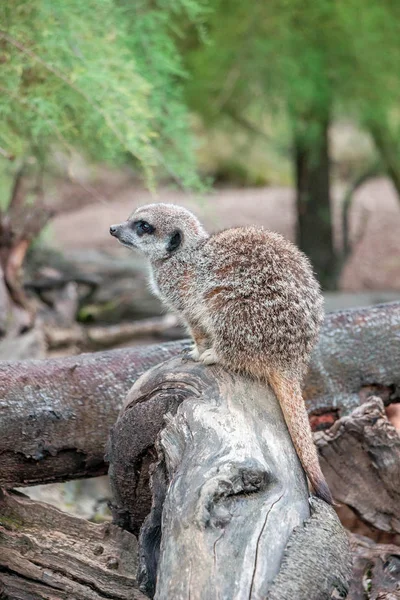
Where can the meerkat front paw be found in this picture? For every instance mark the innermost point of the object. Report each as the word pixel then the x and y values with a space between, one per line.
pixel 209 357
pixel 194 354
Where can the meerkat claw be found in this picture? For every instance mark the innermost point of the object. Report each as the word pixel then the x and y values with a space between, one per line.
pixel 194 354
pixel 209 357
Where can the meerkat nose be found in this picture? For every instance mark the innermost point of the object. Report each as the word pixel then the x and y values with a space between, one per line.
pixel 113 229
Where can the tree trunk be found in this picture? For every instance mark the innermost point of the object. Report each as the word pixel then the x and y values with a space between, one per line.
pixel 19 225
pixel 313 200
pixel 228 506
pixel 48 555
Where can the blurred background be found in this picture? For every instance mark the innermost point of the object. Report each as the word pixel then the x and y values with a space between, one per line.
pixel 281 113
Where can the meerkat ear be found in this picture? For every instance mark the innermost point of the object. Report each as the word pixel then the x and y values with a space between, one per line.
pixel 174 241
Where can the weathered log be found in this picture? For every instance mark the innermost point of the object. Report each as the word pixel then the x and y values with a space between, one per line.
pixel 47 554
pixel 358 352
pixel 376 570
pixel 357 349
pixel 56 414
pixel 360 457
pixel 228 484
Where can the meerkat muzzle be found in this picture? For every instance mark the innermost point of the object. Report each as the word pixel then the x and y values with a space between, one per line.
pixel 114 230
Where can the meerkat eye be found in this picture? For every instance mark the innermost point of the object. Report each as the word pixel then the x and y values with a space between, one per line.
pixel 142 227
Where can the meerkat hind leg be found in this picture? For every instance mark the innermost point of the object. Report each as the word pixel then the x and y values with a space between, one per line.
pixel 201 343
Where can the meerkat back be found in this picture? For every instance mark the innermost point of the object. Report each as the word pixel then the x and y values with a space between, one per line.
pixel 264 309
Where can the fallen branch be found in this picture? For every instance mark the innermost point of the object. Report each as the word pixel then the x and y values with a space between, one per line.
pixel 358 353
pixel 56 414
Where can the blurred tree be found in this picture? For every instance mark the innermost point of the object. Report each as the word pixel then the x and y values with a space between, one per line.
pixel 308 62
pixel 102 78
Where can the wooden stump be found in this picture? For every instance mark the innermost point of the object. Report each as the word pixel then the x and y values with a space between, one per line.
pixel 227 488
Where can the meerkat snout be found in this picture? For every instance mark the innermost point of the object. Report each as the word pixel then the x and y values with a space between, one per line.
pixel 114 230
pixel 123 234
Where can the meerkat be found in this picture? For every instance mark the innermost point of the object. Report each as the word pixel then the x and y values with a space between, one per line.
pixel 249 299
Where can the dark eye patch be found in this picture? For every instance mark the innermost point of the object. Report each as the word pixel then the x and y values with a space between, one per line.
pixel 174 241
pixel 142 227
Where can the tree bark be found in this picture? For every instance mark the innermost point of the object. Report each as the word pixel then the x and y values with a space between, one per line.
pixel 360 457
pixel 317 561
pixel 47 554
pixel 19 225
pixel 313 200
pixel 358 354
pixel 56 414
pixel 228 484
pixel 376 570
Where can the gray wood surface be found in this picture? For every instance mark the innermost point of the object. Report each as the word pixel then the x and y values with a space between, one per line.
pixel 228 489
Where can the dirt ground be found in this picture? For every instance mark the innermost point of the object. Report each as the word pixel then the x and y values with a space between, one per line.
pixel 375 222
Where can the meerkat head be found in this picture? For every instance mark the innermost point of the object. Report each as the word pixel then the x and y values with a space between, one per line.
pixel 160 230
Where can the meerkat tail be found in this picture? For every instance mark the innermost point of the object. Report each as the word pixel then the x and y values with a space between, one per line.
pixel 292 404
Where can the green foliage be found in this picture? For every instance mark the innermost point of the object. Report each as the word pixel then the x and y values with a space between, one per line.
pixel 100 77
pixel 299 59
